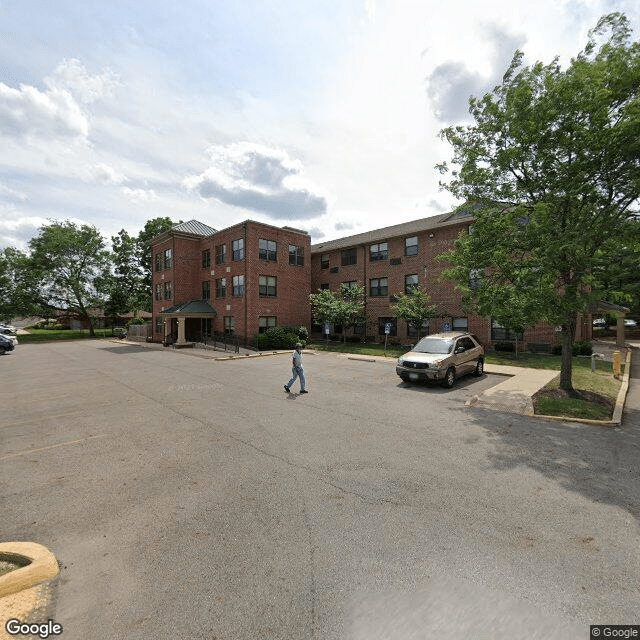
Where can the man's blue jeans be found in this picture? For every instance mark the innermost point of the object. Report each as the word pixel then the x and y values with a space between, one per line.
pixel 297 372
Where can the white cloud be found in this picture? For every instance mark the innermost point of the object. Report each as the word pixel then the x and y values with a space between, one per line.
pixel 71 75
pixel 140 196
pixel 11 194
pixel 16 229
pixel 29 111
pixel 106 174
pixel 259 178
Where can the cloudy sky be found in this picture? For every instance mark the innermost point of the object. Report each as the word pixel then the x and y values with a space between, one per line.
pixel 319 114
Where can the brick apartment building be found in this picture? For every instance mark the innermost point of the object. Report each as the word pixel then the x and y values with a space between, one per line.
pixel 251 276
pixel 239 281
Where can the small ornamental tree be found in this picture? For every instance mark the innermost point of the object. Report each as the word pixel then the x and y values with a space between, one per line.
pixel 346 307
pixel 414 308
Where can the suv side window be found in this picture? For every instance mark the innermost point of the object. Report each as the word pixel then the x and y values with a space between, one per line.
pixel 467 343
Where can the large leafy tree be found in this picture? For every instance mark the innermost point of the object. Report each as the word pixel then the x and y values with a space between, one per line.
pixel 414 308
pixel 130 284
pixel 559 150
pixel 346 307
pixel 16 285
pixel 69 268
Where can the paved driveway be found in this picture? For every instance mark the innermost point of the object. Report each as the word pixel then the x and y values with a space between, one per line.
pixel 190 498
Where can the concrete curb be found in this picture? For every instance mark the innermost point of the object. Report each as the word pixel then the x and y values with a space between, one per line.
pixel 42 565
pixel 26 593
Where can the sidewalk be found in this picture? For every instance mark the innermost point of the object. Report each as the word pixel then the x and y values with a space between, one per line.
pixel 515 395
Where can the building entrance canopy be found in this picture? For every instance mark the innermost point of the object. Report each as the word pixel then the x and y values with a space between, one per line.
pixel 181 312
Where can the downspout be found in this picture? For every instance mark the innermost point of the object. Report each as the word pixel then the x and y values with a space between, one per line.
pixel 246 285
pixel 364 272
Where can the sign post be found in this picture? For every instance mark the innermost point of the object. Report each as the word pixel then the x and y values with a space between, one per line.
pixel 387 331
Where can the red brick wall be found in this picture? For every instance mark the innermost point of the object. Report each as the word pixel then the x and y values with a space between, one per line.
pixel 431 244
pixel 290 306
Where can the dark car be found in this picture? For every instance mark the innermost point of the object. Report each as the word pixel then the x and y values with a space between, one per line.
pixel 442 357
pixel 6 344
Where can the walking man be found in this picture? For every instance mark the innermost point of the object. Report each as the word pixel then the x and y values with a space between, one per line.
pixel 297 371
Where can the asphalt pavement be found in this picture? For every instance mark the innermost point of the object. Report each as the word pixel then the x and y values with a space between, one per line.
pixel 189 497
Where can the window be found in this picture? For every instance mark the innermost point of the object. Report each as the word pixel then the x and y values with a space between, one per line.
pixel 324 286
pixel 475 279
pixel 349 256
pixel 267 286
pixel 168 258
pixel 324 261
pixel 238 285
pixel 206 290
pixel 268 250
pixel 498 332
pixel 350 283
pixel 237 247
pixel 158 292
pixel 410 282
pixel 221 287
pixel 460 324
pixel 378 252
pixel 167 291
pixel 206 259
pixel 229 325
pixel 413 333
pixel 411 246
pixel 296 255
pixel 378 287
pixel 158 262
pixel 159 324
pixel 382 322
pixel 266 322
pixel 221 254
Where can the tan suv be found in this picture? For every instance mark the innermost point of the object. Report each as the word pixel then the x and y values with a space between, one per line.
pixel 443 357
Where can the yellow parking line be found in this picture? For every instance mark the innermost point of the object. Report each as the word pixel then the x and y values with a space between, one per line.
pixel 51 446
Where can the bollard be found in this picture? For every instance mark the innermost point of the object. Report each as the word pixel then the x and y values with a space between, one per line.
pixel 617 359
pixel 593 361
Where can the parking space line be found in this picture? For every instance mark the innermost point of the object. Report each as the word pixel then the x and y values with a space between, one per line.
pixel 51 446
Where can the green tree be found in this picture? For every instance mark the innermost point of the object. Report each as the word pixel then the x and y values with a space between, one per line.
pixel 69 267
pixel 16 286
pixel 152 228
pixel 131 281
pixel 559 150
pixel 414 308
pixel 346 307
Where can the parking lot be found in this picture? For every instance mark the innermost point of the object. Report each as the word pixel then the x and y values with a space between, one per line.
pixel 186 497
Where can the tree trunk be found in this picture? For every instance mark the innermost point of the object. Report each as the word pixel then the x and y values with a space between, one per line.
pixel 92 333
pixel 568 336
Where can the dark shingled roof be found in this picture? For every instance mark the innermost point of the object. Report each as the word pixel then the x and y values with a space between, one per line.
pixel 463 213
pixel 192 307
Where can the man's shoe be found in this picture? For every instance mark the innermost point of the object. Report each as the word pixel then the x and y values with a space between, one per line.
pixel 286 388
pixel 304 391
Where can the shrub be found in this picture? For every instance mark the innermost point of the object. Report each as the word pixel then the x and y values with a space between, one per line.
pixel 135 320
pixel 303 334
pixel 354 339
pixel 580 348
pixel 505 346
pixel 278 338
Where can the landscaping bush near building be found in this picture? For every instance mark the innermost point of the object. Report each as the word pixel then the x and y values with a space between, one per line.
pixel 505 346
pixel 282 337
pixel 580 348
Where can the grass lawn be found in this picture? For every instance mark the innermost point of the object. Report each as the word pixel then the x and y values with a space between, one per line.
pixel 47 335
